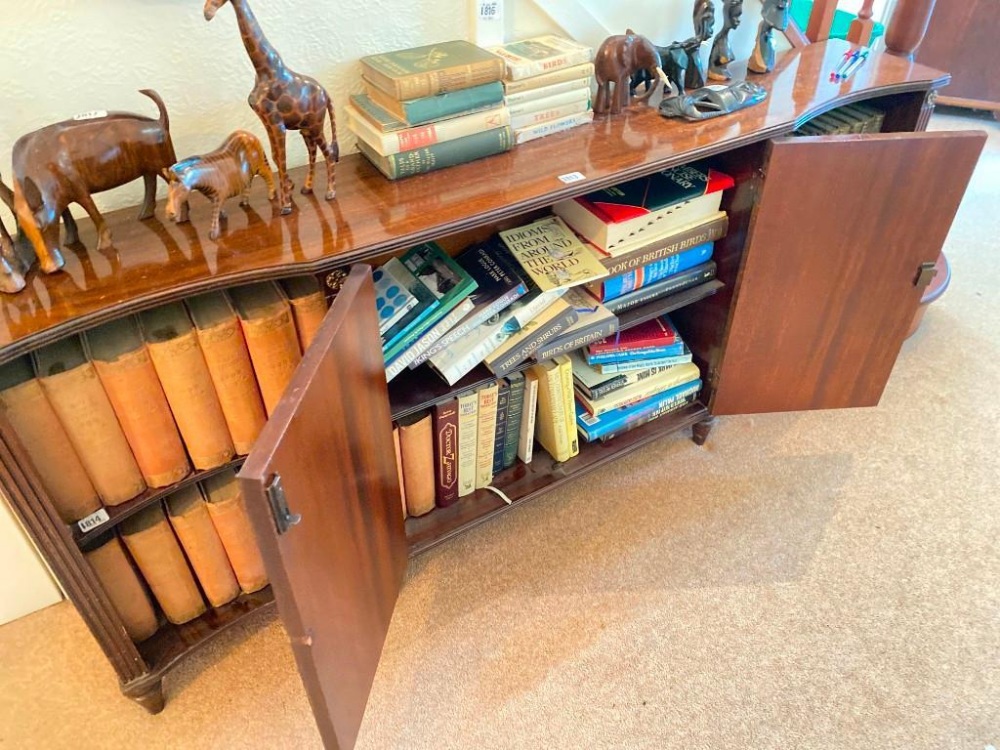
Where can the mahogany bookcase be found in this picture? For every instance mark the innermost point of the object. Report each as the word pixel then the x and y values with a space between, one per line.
pixel 818 281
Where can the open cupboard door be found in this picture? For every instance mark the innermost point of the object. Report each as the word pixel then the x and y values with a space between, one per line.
pixel 834 267
pixel 323 494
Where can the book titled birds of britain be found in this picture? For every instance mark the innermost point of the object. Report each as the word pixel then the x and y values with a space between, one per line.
pixel 552 255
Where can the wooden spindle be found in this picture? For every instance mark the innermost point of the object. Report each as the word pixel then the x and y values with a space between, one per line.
pixel 907 27
pixel 821 20
pixel 862 27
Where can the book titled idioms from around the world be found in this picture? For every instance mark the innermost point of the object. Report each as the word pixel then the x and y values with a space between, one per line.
pixel 552 255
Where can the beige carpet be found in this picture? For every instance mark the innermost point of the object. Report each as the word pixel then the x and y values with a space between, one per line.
pixel 827 580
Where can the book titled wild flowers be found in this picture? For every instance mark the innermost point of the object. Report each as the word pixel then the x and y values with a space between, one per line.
pixel 552 255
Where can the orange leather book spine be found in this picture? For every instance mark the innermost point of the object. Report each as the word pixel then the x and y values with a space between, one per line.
pixel 45 441
pixel 274 351
pixel 232 373
pixel 190 392
pixel 155 549
pixel 85 412
pixel 142 410
pixel 228 511
pixel 128 596
pixel 202 545
pixel 308 312
pixel 416 442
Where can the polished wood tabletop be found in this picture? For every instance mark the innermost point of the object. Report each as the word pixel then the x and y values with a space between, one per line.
pixel 155 261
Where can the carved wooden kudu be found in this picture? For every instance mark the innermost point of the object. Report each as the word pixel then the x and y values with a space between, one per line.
pixel 71 160
pixel 224 173
pixel 285 100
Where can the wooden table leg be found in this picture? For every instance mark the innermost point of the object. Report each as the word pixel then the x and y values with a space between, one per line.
pixel 700 430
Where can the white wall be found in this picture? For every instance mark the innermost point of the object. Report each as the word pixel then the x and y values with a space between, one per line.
pixel 25 583
pixel 63 57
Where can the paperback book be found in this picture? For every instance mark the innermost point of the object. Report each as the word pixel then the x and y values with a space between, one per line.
pixel 648 206
pixel 444 280
pixel 539 55
pixel 621 357
pixel 393 298
pixel 593 428
pixel 549 323
pixel 594 322
pixel 671 285
pixel 498 283
pixel 618 286
pixel 654 333
pixel 612 368
pixel 592 383
pixel 425 342
pixel 648 387
pixel 552 255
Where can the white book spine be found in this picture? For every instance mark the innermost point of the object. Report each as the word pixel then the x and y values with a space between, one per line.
pixel 576 72
pixel 573 96
pixel 552 113
pixel 526 438
pixel 468 434
pixel 552 127
pixel 486 440
pixel 611 369
pixel 530 95
pixel 427 340
pixel 458 359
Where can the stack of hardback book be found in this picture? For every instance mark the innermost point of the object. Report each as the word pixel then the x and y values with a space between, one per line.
pixel 546 85
pixel 430 107
pixel 632 378
pixel 139 402
pixel 654 235
pixel 532 268
pixel 460 445
pixel 851 118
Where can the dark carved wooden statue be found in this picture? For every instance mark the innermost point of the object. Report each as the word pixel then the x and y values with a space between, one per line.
pixel 224 173
pixel 775 15
pixel 285 100
pixel 618 59
pixel 682 60
pixel 71 160
pixel 722 52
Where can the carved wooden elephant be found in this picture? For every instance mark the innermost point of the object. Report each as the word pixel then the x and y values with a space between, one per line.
pixel 618 58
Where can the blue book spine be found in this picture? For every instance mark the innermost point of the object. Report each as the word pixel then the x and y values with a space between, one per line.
pixel 647 352
pixel 616 286
pixel 593 428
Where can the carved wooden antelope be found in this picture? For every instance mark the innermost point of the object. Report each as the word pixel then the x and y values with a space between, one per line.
pixel 285 100
pixel 224 173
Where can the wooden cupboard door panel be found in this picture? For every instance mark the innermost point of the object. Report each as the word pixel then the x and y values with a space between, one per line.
pixel 336 572
pixel 828 284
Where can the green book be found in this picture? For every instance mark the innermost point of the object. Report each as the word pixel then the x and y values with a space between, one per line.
pixel 440 106
pixel 440 155
pixel 434 69
pixel 443 279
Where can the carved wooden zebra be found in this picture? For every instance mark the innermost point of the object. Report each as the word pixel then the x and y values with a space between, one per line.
pixel 224 173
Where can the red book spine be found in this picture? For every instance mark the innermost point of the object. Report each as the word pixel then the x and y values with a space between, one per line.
pixel 656 332
pixel 446 451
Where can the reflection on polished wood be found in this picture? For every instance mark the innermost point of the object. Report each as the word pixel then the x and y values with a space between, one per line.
pixel 156 261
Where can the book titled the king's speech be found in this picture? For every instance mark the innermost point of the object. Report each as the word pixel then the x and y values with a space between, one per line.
pixel 552 255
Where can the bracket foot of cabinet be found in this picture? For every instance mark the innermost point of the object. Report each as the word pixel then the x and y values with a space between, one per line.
pixel 147 692
pixel 700 430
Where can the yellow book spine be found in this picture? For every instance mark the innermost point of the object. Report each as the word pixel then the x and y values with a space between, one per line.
pixel 197 534
pixel 486 438
pixel 569 407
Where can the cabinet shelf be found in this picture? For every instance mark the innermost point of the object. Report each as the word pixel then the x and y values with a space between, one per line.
pixel 415 390
pixel 523 482
pixel 170 643
pixel 118 513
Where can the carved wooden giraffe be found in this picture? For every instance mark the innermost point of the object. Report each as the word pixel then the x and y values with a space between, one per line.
pixel 285 100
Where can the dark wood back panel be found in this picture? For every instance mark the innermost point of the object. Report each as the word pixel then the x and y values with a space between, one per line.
pixel 337 573
pixel 826 293
pixel 156 261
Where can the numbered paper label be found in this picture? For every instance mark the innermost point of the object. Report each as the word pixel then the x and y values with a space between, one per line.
pixel 487 21
pixel 93 115
pixel 94 520
pixel 571 177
